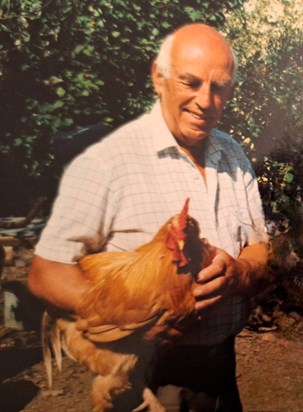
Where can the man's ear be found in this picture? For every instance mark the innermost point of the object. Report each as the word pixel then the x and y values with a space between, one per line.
pixel 157 78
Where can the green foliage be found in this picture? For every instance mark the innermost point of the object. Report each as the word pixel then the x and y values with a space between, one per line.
pixel 266 112
pixel 267 37
pixel 281 183
pixel 70 63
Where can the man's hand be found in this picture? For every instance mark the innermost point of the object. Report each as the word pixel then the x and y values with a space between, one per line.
pixel 226 276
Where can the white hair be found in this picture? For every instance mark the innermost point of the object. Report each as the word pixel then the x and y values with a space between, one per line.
pixel 163 58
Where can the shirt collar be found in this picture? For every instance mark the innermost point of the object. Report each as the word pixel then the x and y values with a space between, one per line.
pixel 164 139
pixel 214 148
pixel 162 136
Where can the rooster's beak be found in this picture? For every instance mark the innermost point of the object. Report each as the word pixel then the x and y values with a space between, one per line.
pixel 181 244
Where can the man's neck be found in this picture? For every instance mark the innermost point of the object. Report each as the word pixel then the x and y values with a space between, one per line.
pixel 197 155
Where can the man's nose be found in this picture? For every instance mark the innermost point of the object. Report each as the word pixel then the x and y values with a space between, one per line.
pixel 203 98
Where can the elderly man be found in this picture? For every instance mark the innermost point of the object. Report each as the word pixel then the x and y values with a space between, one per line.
pixel 118 193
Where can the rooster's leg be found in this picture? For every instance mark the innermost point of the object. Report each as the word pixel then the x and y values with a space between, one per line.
pixel 103 389
pixel 151 402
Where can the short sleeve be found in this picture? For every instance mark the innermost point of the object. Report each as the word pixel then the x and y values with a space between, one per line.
pixel 82 212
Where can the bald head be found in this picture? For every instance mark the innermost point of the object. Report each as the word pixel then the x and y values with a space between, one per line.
pixel 193 36
pixel 193 77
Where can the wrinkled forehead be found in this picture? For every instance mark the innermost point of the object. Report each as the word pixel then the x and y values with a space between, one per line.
pixel 199 36
pixel 203 58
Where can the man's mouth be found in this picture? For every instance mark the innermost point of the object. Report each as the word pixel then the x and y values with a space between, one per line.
pixel 199 116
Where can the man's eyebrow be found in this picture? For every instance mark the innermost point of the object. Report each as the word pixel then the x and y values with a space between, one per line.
pixel 192 78
pixel 189 77
pixel 223 82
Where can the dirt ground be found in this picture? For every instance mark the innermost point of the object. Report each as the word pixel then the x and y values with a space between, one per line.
pixel 270 365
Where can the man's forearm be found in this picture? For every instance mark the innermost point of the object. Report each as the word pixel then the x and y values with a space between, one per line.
pixel 59 284
pixel 254 260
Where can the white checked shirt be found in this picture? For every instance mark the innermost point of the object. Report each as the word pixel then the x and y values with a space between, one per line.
pixel 119 192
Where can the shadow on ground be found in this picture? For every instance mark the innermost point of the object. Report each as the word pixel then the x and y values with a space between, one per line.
pixel 15 395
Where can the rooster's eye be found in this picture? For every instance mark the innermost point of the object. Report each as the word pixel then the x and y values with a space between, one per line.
pixel 191 223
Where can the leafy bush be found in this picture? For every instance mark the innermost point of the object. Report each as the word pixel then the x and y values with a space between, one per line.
pixel 266 112
pixel 70 63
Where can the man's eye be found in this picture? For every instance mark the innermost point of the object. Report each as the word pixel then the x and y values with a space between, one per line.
pixel 218 88
pixel 192 84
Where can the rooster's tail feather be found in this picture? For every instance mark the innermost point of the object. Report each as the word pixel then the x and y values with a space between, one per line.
pixel 51 342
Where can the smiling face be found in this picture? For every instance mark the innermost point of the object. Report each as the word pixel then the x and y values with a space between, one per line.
pixel 199 84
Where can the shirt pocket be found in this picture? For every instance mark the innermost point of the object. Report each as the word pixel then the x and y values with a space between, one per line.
pixel 239 232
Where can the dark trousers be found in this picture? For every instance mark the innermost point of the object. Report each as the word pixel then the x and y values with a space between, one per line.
pixel 209 371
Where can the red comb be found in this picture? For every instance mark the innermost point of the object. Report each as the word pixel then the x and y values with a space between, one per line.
pixel 184 215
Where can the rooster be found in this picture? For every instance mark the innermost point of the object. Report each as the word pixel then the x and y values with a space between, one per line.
pixel 135 299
